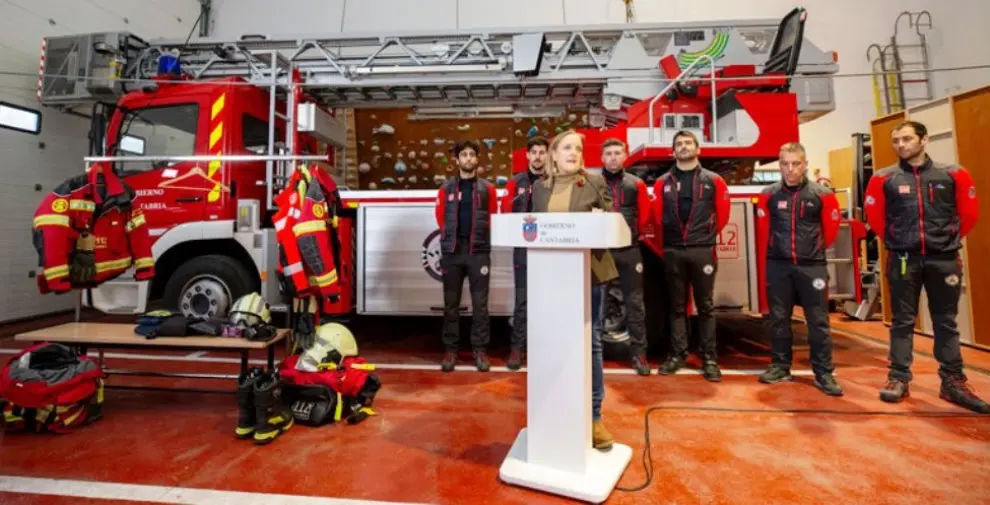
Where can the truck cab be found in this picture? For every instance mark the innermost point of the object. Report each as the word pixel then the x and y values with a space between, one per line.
pixel 209 219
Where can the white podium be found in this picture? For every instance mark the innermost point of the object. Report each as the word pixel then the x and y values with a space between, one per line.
pixel 554 452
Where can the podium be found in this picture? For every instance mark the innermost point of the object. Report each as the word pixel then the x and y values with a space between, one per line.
pixel 554 452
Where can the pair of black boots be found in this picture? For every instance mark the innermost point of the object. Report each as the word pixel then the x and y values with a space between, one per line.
pixel 260 412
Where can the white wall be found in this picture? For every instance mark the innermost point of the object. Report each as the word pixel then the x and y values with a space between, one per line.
pixel 23 162
pixel 959 37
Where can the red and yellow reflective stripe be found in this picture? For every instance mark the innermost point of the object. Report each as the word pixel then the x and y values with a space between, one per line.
pixel 57 272
pixel 51 220
pixel 216 145
pixel 308 227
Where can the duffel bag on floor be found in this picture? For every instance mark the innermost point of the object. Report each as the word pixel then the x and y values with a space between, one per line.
pixel 50 388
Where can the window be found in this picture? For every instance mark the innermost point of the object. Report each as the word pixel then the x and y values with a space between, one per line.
pixel 168 130
pixel 20 118
pixel 255 134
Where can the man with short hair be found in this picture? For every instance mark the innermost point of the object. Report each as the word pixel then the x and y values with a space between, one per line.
pixel 465 204
pixel 691 206
pixel 519 198
pixel 629 198
pixel 798 219
pixel 922 210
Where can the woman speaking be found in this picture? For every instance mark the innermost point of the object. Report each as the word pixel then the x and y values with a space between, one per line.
pixel 567 187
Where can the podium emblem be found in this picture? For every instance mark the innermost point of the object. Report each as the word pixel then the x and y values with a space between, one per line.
pixel 530 229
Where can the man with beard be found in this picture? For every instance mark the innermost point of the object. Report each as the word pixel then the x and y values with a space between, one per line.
pixel 798 219
pixel 519 198
pixel 922 210
pixel 629 198
pixel 465 204
pixel 691 208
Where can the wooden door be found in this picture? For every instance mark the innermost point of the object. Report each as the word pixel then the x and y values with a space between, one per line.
pixel 972 120
pixel 884 155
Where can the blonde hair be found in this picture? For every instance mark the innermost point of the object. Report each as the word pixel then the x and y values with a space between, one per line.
pixel 552 170
pixel 794 147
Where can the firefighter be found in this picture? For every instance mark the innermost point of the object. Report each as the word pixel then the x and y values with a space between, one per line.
pixel 519 198
pixel 631 199
pixel 691 206
pixel 465 204
pixel 798 221
pixel 922 210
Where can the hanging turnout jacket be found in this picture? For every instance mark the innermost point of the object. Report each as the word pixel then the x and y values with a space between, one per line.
pixel 87 231
pixel 305 229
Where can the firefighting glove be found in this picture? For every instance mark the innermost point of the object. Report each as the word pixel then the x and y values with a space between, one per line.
pixel 304 331
pixel 83 268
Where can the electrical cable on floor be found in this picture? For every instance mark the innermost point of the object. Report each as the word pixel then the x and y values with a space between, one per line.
pixel 648 450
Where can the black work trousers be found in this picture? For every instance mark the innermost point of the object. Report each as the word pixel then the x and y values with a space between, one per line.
pixel 629 263
pixel 655 300
pixel 941 275
pixel 695 267
pixel 456 267
pixel 805 285
pixel 518 338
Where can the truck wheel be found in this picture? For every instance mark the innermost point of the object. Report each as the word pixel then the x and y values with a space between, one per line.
pixel 206 286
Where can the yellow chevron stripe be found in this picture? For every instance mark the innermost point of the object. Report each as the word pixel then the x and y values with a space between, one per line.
pixel 216 135
pixel 218 106
pixel 212 169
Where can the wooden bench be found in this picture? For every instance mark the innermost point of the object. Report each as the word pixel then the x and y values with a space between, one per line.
pixel 100 336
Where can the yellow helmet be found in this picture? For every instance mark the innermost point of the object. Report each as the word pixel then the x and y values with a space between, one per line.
pixel 332 344
pixel 249 310
pixel 338 338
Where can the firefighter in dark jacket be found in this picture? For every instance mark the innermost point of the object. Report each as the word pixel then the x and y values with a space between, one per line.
pixel 797 220
pixel 465 204
pixel 691 206
pixel 519 198
pixel 631 199
pixel 922 210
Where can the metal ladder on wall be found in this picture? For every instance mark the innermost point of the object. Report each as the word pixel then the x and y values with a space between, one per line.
pixel 902 71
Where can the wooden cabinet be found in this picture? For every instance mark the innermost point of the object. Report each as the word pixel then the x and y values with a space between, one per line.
pixel 957 127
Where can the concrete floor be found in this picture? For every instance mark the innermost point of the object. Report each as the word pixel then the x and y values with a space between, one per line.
pixel 439 438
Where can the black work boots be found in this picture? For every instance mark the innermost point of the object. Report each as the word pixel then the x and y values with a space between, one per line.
pixel 954 390
pixel 260 412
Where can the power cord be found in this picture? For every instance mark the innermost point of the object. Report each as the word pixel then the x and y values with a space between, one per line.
pixel 648 450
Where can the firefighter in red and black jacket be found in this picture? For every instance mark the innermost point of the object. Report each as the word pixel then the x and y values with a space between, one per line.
pixel 519 198
pixel 922 210
pixel 465 204
pixel 631 199
pixel 691 206
pixel 88 231
pixel 798 221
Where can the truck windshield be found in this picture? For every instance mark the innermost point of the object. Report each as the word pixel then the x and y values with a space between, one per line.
pixel 168 130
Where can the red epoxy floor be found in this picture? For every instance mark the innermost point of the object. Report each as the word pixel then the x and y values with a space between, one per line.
pixel 440 438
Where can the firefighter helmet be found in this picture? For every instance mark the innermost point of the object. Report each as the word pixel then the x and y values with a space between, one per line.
pixel 249 310
pixel 333 343
pixel 338 338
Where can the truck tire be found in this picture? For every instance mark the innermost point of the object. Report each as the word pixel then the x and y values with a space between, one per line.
pixel 206 286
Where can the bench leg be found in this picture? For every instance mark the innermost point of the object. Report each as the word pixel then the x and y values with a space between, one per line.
pixel 244 363
pixel 271 358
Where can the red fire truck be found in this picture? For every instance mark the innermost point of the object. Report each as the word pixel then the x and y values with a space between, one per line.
pixel 207 132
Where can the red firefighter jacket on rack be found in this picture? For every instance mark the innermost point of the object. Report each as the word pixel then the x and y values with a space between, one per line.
pixel 98 204
pixel 304 229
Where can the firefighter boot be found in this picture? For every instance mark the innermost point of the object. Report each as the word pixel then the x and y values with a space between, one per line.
pixel 272 417
pixel 957 390
pixel 246 418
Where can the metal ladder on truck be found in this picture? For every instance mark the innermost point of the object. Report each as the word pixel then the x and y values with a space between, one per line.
pixel 514 72
pixel 902 71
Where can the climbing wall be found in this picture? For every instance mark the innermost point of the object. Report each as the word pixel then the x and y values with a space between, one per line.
pixel 394 152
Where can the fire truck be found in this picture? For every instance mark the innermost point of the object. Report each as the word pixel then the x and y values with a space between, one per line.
pixel 208 131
